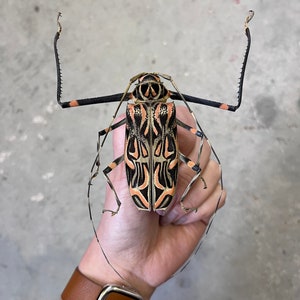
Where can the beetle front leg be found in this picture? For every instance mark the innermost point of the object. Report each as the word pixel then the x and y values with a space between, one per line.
pixel 218 104
pixel 78 102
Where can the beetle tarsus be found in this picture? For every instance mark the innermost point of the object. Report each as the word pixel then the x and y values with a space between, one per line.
pixel 204 182
pixel 59 27
pixel 113 212
pixel 188 209
pixel 249 18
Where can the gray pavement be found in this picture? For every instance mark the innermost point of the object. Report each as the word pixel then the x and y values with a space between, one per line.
pixel 253 249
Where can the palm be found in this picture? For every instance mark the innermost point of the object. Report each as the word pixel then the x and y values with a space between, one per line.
pixel 144 246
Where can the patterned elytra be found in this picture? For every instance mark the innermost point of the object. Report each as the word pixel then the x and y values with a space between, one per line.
pixel 151 154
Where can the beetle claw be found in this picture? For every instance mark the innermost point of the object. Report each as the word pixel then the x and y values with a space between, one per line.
pixel 188 209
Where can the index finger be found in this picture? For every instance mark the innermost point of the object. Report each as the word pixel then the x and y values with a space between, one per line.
pixel 190 145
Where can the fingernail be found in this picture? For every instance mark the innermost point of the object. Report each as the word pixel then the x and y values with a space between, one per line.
pixel 181 220
pixel 169 218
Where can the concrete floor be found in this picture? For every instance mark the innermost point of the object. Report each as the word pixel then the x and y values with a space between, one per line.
pixel 253 250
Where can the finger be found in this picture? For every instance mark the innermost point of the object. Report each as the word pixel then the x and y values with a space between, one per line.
pixel 190 146
pixel 128 214
pixel 186 173
pixel 200 191
pixel 206 210
pixel 117 175
pixel 186 140
pixel 119 137
pixel 197 195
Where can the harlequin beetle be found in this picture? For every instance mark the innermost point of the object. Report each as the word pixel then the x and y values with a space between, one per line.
pixel 151 154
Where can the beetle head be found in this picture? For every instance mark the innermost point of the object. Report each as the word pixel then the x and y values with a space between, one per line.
pixel 150 88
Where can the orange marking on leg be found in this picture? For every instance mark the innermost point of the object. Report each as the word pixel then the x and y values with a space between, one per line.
pixel 193 131
pixel 112 165
pixel 190 164
pixel 73 103
pixel 224 106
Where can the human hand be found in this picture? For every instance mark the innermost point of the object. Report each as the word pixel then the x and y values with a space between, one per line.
pixel 144 247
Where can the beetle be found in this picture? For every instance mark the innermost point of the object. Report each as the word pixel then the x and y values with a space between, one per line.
pixel 151 153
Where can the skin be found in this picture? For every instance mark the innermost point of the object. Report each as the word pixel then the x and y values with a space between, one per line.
pixel 147 248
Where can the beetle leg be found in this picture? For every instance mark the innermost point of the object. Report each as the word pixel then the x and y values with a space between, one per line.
pixel 107 170
pixel 94 174
pixel 105 133
pixel 222 105
pixel 195 167
pixel 198 133
pixel 190 129
pixel 78 102
pixel 96 165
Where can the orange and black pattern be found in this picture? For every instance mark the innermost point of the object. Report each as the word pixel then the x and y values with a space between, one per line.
pixel 151 154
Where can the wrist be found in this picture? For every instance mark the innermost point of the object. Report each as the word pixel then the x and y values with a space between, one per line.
pixel 83 288
pixel 95 267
